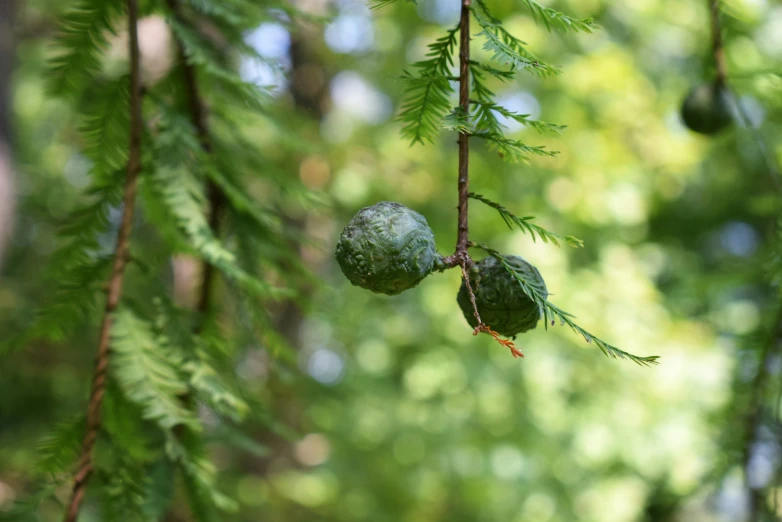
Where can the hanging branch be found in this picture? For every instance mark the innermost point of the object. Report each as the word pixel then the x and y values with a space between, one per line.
pixel 461 257
pixel 525 224
pixel 121 252
pixel 425 111
pixel 553 314
pixel 215 197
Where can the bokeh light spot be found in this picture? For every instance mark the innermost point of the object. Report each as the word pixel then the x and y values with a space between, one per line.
pixel 313 449
pixel 325 366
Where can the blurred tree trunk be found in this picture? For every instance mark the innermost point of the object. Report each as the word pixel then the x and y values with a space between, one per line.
pixel 7 12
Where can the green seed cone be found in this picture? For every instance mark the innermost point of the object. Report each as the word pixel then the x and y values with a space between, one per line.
pixel 386 248
pixel 502 304
pixel 706 110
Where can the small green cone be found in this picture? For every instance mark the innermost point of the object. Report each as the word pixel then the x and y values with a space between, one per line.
pixel 386 248
pixel 502 304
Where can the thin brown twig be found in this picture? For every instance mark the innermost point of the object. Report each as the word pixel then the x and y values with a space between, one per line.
pixel 507 343
pixel 717 48
pixel 466 278
pixel 464 137
pixel 461 256
pixel 483 327
pixel 114 293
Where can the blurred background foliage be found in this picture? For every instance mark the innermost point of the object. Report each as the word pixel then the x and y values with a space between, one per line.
pixel 391 410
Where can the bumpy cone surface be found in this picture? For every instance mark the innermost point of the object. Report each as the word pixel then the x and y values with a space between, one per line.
pixel 502 304
pixel 386 248
pixel 706 109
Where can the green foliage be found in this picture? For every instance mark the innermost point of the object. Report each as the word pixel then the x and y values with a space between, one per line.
pixel 552 313
pixel 236 438
pixel 124 429
pixel 511 51
pixel 199 478
pixel 59 449
pixel 428 92
pixel 183 195
pixel 76 270
pixel 227 11
pixel 223 81
pixel 163 363
pixel 124 489
pixel 477 69
pixel 81 232
pixel 136 483
pixel 240 202
pixel 149 371
pixel 159 493
pixel 514 150
pixel 475 435
pixel 26 510
pixel 78 47
pixel 456 411
pixel 104 130
pixel 486 115
pixel 487 126
pixel 487 123
pixel 552 18
pixel 71 303
pixel 209 385
pixel 525 224
pixel 459 121
pixel 158 368
pixel 177 155
pixel 506 48
pixel 201 355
